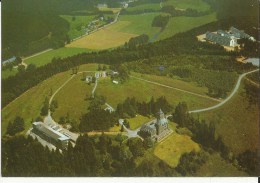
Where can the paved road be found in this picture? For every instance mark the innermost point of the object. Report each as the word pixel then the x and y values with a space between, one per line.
pixel 185 91
pixel 229 97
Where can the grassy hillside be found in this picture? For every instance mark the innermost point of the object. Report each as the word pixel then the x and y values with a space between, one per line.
pixel 76 24
pixel 150 6
pixel 136 24
pixel 183 24
pixel 46 58
pixel 237 122
pixel 32 100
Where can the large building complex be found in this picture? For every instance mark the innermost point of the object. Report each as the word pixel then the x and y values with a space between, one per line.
pixel 50 135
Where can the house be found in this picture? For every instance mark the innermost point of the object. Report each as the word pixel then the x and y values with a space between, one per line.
pixel 113 73
pixel 10 60
pixel 156 130
pixel 88 79
pixel 221 40
pixel 50 135
pixel 104 74
pixel 97 74
pixel 115 82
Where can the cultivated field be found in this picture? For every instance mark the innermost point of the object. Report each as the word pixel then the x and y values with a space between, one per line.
pixel 102 39
pixel 46 58
pixel 170 149
pixel 192 4
pixel 237 122
pixel 183 24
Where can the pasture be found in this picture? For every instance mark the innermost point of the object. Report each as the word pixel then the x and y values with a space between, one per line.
pixel 183 24
pixel 47 57
pixel 171 148
pixel 102 39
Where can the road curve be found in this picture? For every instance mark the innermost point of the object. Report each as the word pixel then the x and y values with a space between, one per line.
pixel 229 97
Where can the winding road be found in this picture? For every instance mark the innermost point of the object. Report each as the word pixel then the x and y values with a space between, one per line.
pixel 229 97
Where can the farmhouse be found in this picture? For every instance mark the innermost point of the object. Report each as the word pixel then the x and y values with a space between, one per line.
pixel 50 135
pixel 156 130
pixel 10 60
pixel 222 39
pixel 88 79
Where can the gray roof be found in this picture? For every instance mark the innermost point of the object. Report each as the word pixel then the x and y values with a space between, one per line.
pixel 239 33
pixel 49 131
pixel 148 128
pixel 161 120
pixel 223 33
pixel 216 38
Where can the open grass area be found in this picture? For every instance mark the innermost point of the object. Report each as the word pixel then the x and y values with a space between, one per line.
pixel 71 99
pixel 137 121
pixel 7 73
pixel 171 148
pixel 189 86
pixel 102 39
pixel 192 4
pixel 46 57
pixel 148 6
pixel 183 24
pixel 218 167
pixel 143 91
pixel 237 122
pixel 136 24
pixel 29 104
pixel 114 10
pixel 77 24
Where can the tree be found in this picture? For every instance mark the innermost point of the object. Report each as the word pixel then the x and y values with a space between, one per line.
pixel 136 146
pixel 21 68
pixel 104 68
pixel 16 126
pixel 45 108
pixel 31 68
pixel 99 67
pixel 181 114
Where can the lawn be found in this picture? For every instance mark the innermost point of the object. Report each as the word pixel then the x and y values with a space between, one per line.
pixel 183 24
pixel 136 24
pixel 192 4
pixel 143 91
pixel 171 148
pixel 29 104
pixel 46 57
pixel 102 39
pixel 218 167
pixel 137 121
pixel 77 24
pixel 237 122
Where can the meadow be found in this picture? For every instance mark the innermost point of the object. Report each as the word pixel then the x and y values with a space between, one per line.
pixel 29 104
pixel 171 148
pixel 137 121
pixel 47 57
pixel 183 24
pixel 237 122
pixel 114 10
pixel 7 73
pixel 102 39
pixel 148 6
pixel 77 24
pixel 192 4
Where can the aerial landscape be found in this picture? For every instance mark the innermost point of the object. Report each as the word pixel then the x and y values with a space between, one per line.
pixel 130 88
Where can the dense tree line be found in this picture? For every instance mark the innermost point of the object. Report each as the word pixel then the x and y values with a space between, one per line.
pixel 91 156
pixel 187 12
pixel 130 107
pixel 139 40
pixel 160 21
pixel 16 126
pixel 182 43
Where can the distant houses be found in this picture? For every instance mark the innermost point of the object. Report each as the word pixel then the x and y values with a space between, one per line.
pixel 227 38
pixel 102 5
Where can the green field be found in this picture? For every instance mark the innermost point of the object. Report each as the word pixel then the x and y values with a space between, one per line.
pixel 192 4
pixel 46 57
pixel 218 167
pixel 7 73
pixel 183 24
pixel 148 6
pixel 237 122
pixel 136 24
pixel 171 148
pixel 137 121
pixel 29 104
pixel 77 26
